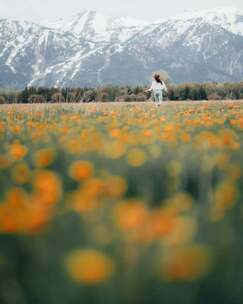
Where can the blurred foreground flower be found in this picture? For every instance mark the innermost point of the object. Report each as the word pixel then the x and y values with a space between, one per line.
pixel 81 170
pixel 17 150
pixel 20 173
pixel 225 195
pixel 187 263
pixel 47 187
pixel 130 214
pixel 89 267
pixel 21 213
pixel 44 157
pixel 136 157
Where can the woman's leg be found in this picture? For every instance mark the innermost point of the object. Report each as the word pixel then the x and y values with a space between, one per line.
pixel 160 97
pixel 156 97
pixel 153 96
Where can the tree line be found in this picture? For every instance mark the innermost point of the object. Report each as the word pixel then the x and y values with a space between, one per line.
pixel 110 93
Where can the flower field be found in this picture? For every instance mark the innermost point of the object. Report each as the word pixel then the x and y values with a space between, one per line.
pixel 121 203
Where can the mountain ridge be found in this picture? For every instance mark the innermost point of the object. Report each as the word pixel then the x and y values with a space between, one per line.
pixel 92 49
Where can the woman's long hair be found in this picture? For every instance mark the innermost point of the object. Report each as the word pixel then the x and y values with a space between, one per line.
pixel 157 78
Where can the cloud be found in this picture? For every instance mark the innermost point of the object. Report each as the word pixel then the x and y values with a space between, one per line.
pixel 157 9
pixel 4 10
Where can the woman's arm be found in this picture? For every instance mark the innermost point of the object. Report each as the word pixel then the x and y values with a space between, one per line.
pixel 164 87
pixel 149 90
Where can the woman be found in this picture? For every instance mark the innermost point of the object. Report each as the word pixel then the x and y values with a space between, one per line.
pixel 157 87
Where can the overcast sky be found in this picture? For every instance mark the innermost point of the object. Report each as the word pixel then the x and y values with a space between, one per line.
pixel 140 9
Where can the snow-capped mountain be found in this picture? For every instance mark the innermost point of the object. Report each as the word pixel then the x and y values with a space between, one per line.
pixel 228 18
pixel 201 46
pixel 97 27
pixel 91 49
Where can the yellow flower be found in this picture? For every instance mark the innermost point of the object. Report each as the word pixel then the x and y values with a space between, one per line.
pixel 154 151
pixel 89 267
pixel 225 195
pixel 114 150
pixel 136 157
pixel 224 198
pixel 180 202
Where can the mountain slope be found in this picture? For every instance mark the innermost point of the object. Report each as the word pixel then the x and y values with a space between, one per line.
pixel 193 48
pixel 91 49
pixel 27 50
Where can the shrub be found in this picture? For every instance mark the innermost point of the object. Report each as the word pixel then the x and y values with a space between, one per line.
pixel 2 100
pixel 131 97
pixel 57 98
pixel 214 96
pixel 141 97
pixel 36 99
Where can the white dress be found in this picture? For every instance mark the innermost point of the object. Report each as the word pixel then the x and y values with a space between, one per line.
pixel 158 89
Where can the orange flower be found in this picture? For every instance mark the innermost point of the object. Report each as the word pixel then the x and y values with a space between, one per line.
pixel 95 190
pixel 47 187
pixel 44 157
pixel 4 162
pixel 16 198
pixel 130 214
pixel 81 170
pixel 89 267
pixel 20 213
pixel 18 151
pixel 169 128
pixel 185 137
pixel 95 187
pixel 115 133
pixel 184 231
pixel 81 202
pixel 116 186
pixel 187 263
pixel 162 223
pixel 147 133
pixel 20 173
pixel 207 139
pixel 230 139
